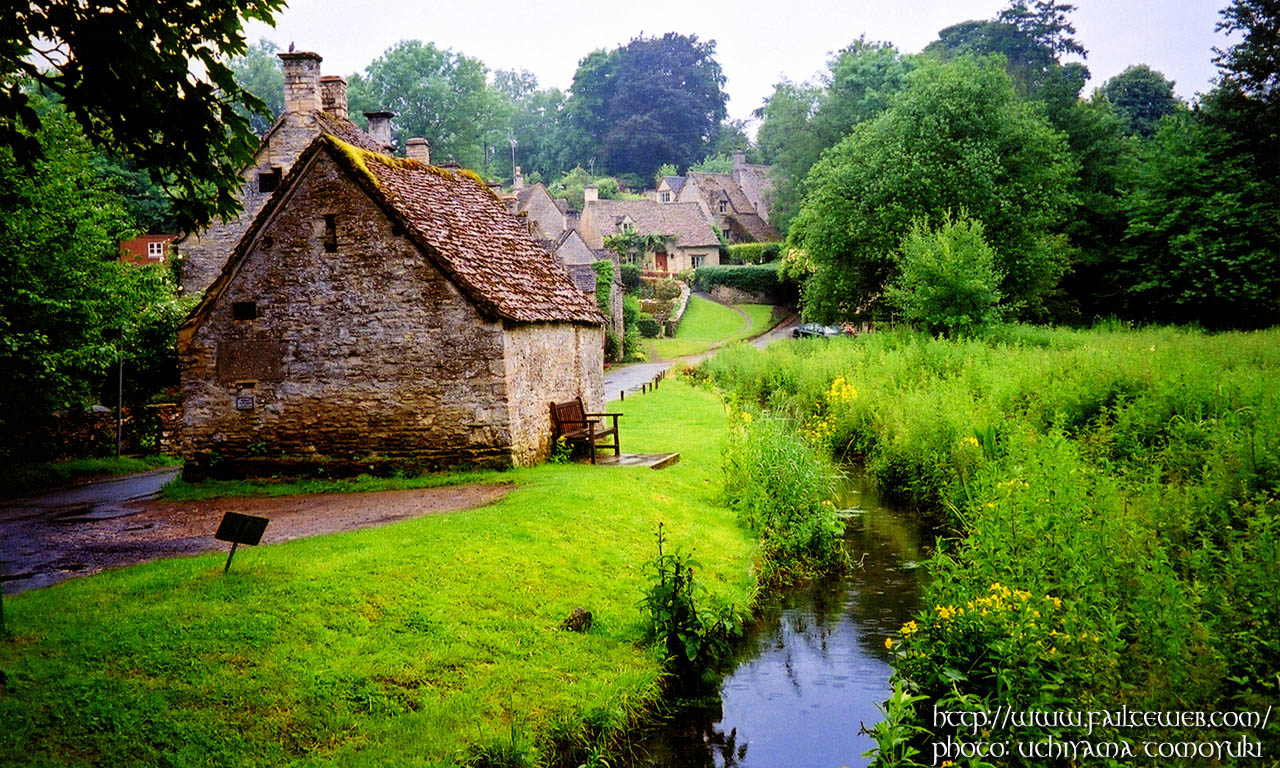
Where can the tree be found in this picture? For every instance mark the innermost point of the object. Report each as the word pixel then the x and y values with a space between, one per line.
pixel 128 74
pixel 436 94
pixel 1246 104
pixel 800 122
pixel 657 100
pixel 68 307
pixel 1141 96
pixel 259 72
pixel 947 277
pixel 536 119
pixel 1203 239
pixel 958 138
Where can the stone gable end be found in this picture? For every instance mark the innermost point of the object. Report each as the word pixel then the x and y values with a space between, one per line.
pixel 380 355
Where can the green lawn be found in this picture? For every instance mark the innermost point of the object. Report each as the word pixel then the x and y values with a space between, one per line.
pixel 424 643
pixel 23 478
pixel 707 323
pixel 181 490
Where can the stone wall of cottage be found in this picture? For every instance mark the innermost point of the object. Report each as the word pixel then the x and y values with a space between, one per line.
pixel 368 351
pixel 203 254
pixel 548 363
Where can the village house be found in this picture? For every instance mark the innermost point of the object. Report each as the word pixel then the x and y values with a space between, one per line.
pixel 555 227
pixel 381 307
pixel 694 243
pixel 737 202
pixel 312 105
pixel 147 249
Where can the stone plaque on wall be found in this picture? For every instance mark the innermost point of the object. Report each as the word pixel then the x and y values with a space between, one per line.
pixel 250 359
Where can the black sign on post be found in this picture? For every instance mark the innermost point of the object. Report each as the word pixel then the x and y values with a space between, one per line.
pixel 240 529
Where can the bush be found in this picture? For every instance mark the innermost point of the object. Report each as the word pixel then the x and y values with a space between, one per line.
pixel 693 638
pixel 754 253
pixel 947 278
pixel 630 274
pixel 752 279
pixel 648 326
pixel 604 284
pixel 1111 497
pixel 781 489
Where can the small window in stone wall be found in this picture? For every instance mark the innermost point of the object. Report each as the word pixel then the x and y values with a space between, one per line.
pixel 244 310
pixel 330 233
pixel 269 180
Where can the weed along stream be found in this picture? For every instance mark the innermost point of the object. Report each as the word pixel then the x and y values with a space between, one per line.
pixel 809 674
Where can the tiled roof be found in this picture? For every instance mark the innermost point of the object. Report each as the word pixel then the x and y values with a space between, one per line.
pixel 718 186
pixel 684 220
pixel 676 183
pixel 458 222
pixel 455 217
pixel 347 131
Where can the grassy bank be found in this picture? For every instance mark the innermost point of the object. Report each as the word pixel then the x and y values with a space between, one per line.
pixel 1110 500
pixel 707 323
pixel 21 479
pixel 434 641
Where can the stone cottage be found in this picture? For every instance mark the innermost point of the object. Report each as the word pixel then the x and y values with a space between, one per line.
pixel 312 105
pixel 382 307
pixel 695 243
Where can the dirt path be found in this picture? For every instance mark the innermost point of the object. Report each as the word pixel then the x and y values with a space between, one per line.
pixel 44 550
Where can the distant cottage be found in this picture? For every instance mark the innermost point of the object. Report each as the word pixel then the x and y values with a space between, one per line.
pixel 382 307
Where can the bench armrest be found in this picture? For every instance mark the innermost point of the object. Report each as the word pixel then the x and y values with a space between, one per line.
pixel 604 414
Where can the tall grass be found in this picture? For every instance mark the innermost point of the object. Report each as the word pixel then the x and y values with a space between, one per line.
pixel 1108 501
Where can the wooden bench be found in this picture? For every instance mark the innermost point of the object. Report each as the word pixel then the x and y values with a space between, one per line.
pixel 570 421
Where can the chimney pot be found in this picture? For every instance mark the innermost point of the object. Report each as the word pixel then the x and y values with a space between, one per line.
pixel 333 96
pixel 590 193
pixel 517 183
pixel 380 127
pixel 301 82
pixel 418 149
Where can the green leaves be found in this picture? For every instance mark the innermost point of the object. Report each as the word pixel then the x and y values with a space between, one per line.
pixel 947 278
pixel 145 81
pixel 67 306
pixel 957 138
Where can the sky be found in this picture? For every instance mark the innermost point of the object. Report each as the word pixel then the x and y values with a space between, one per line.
pixel 757 43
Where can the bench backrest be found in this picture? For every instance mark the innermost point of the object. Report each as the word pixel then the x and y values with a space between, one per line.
pixel 567 412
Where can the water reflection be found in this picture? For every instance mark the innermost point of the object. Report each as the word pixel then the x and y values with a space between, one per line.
pixel 811 673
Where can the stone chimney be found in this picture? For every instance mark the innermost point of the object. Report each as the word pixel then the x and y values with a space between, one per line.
pixel 380 127
pixel 301 82
pixel 333 96
pixel 739 160
pixel 590 194
pixel 518 182
pixel 417 149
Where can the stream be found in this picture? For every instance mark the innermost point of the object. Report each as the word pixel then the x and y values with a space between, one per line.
pixel 808 676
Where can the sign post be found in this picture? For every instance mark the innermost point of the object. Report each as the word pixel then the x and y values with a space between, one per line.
pixel 240 529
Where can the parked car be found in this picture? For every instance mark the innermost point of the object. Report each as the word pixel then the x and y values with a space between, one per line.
pixel 815 330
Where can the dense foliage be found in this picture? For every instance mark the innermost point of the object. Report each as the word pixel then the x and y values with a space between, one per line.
pixel 1109 497
pixel 759 278
pixel 436 94
pixel 146 81
pixel 654 101
pixel 753 253
pixel 958 138
pixel 947 279
pixel 69 310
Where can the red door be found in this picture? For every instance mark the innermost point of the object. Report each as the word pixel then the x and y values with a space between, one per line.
pixel 661 258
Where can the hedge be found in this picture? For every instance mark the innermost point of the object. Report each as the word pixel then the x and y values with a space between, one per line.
pixel 754 253
pixel 762 278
